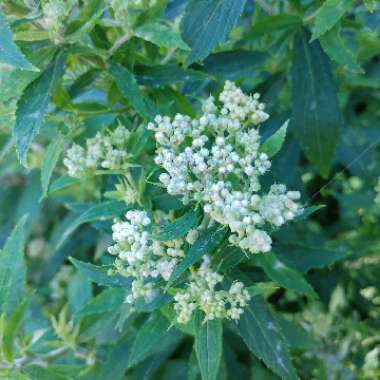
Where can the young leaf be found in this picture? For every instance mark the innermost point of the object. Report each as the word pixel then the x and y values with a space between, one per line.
pixel 316 115
pixel 207 23
pixel 283 275
pixel 100 274
pixel 50 161
pixel 9 51
pixel 12 270
pixel 178 228
pixel 329 14
pixel 128 86
pixel 208 346
pixel 33 106
pixel 262 335
pixel 161 35
pixel 148 337
pixel 273 144
pixel 335 48
pixel 205 244
pixel 98 212
pixel 11 328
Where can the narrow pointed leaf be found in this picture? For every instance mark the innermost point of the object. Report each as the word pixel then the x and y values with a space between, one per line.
pixel 208 346
pixel 273 144
pixel 33 106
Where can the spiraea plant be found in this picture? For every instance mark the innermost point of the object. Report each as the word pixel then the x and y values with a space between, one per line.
pixel 189 190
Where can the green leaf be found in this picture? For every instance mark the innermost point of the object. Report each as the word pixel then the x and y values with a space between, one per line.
pixel 335 48
pixel 269 24
pixel 205 244
pixel 50 161
pixel 128 86
pixel 304 258
pixel 33 106
pixel 206 23
pixel 316 115
pixel 12 326
pixel 208 346
pixel 161 35
pixel 98 212
pixel 274 143
pixel 283 275
pixel 329 14
pixel 86 20
pixel 9 51
pixel 264 289
pixel 148 337
pixel 234 64
pixel 100 274
pixel 179 227
pixel 62 183
pixel 79 292
pixel 262 335
pixel 107 301
pixel 12 270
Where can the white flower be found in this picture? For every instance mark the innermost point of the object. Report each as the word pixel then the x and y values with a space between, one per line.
pixel 102 151
pixel 201 293
pixel 216 160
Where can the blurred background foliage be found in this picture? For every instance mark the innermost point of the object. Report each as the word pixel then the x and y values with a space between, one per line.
pixel 63 324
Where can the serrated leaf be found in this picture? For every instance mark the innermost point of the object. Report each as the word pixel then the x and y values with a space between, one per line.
pixel 128 86
pixel 100 274
pixel 50 161
pixel 262 335
pixel 98 212
pixel 206 23
pixel 205 244
pixel 330 12
pixel 9 51
pixel 12 270
pixel 179 227
pixel 316 117
pixel 148 337
pixel 334 46
pixel 286 277
pixel 208 346
pixel 161 35
pixel 33 105
pixel 274 143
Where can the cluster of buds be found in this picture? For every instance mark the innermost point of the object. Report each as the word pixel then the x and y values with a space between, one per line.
pixel 201 294
pixel 104 151
pixel 216 160
pixel 142 257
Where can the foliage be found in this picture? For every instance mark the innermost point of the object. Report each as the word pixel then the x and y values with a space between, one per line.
pixel 87 78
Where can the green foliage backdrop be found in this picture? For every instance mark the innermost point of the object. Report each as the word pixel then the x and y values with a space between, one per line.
pixel 72 69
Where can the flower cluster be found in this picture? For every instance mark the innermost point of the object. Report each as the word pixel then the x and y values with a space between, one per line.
pixel 201 294
pixel 142 257
pixel 216 160
pixel 102 151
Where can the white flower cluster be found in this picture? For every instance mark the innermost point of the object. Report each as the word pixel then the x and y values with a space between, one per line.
pixel 215 159
pixel 201 294
pixel 104 151
pixel 377 190
pixel 142 257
